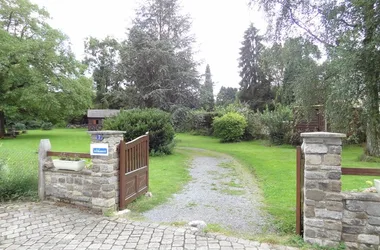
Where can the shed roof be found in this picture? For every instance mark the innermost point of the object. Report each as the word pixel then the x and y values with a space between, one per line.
pixel 102 113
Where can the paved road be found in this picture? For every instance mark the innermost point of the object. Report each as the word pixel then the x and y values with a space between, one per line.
pixel 48 226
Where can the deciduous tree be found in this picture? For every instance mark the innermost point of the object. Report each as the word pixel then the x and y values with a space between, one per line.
pixel 349 30
pixel 39 75
pixel 226 96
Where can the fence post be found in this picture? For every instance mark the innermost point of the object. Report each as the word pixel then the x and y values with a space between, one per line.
pixel 105 171
pixel 323 206
pixel 42 157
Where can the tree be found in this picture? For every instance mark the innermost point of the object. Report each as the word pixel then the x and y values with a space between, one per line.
pixel 207 101
pixel 102 57
pixel 226 96
pixel 255 86
pixel 295 71
pixel 349 32
pixel 157 57
pixel 39 76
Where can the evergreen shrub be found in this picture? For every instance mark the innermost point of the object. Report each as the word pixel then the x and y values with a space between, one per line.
pixel 137 122
pixel 230 127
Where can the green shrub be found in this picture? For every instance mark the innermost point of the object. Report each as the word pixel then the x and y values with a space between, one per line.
pixel 47 126
pixel 20 126
pixel 181 118
pixel 279 124
pixel 137 122
pixel 201 122
pixel 230 127
pixel 61 124
pixel 255 128
pixel 18 180
pixel 33 124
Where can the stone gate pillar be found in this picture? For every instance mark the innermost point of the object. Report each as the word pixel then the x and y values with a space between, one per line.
pixel 105 184
pixel 323 206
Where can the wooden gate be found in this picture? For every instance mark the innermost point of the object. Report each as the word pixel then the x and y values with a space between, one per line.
pixel 299 191
pixel 134 169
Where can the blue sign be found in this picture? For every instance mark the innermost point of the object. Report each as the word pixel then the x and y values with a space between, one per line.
pixel 102 151
pixel 99 137
pixel 99 149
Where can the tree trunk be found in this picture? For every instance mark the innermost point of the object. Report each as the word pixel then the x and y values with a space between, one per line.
pixel 2 124
pixel 373 121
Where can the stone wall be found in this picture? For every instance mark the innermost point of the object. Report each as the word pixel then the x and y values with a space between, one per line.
pixel 96 188
pixel 361 220
pixel 68 186
pixel 331 216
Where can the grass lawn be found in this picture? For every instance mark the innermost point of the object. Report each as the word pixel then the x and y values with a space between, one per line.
pixel 275 168
pixel 167 173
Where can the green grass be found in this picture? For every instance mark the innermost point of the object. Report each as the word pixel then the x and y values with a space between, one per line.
pixel 167 173
pixel 167 176
pixel 71 140
pixel 275 168
pixel 351 158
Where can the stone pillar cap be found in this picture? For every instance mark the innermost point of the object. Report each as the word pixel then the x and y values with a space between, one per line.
pixel 106 132
pixel 322 135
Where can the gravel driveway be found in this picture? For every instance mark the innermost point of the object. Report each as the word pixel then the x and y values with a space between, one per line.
pixel 221 192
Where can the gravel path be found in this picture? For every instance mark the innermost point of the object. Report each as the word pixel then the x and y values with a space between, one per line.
pixel 221 192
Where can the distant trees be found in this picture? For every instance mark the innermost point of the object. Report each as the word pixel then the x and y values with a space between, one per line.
pixel 157 57
pixel 348 30
pixel 255 84
pixel 153 67
pixel 39 75
pixel 102 57
pixel 226 96
pixel 207 101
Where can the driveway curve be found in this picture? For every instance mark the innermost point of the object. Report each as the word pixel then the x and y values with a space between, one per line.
pixel 222 192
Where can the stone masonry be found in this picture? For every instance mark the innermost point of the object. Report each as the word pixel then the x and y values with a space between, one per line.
pixel 361 220
pixel 330 216
pixel 322 198
pixel 68 186
pixel 96 188
pixel 105 171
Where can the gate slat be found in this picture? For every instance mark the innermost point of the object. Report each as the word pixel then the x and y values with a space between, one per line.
pixel 122 180
pixel 134 169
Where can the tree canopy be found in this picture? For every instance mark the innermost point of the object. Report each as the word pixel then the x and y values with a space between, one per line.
pixel 255 85
pixel 157 57
pixel 39 75
pixel 207 101
pixel 349 32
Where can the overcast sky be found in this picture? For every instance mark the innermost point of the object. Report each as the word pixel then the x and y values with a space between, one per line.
pixel 218 26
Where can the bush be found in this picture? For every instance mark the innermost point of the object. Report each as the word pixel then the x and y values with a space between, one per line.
pixel 20 126
pixel 137 122
pixel 230 127
pixel 201 122
pixel 33 124
pixel 279 124
pixel 47 126
pixel 61 124
pixel 16 178
pixel 255 128
pixel 181 118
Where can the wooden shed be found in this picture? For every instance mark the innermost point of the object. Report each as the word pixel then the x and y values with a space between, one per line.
pixel 96 117
pixel 315 123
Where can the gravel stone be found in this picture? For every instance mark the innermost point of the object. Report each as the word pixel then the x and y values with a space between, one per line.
pixel 216 195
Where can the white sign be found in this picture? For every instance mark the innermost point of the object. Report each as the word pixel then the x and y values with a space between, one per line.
pixel 99 149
